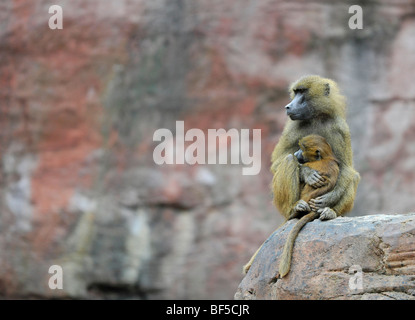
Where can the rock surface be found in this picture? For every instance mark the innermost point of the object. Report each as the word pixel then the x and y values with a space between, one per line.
pixel 370 257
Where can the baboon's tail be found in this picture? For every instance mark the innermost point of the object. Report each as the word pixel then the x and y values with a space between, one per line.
pixel 285 263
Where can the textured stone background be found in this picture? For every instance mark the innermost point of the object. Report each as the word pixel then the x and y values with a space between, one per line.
pixel 79 106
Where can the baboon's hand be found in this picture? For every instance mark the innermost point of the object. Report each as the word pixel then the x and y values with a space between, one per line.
pixel 321 202
pixel 327 214
pixel 302 206
pixel 312 177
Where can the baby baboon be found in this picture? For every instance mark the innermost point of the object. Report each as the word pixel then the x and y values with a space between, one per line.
pixel 315 153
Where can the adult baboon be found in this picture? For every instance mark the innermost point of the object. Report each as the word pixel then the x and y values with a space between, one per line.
pixel 317 107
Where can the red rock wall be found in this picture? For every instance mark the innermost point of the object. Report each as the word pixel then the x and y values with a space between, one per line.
pixel 79 107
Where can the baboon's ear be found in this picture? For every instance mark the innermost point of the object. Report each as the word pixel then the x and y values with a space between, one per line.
pixel 326 89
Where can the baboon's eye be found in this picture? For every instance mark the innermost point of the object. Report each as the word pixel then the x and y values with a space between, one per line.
pixel 302 99
pixel 318 154
pixel 300 90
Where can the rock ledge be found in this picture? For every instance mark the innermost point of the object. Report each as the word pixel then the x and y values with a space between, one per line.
pixel 367 257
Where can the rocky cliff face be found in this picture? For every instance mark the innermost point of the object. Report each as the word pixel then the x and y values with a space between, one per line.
pixel 370 257
pixel 79 106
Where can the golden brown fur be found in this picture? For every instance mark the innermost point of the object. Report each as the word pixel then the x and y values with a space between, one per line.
pixel 318 155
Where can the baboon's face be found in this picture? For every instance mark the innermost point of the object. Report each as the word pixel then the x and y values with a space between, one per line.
pixel 299 155
pixel 298 108
pixel 308 155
